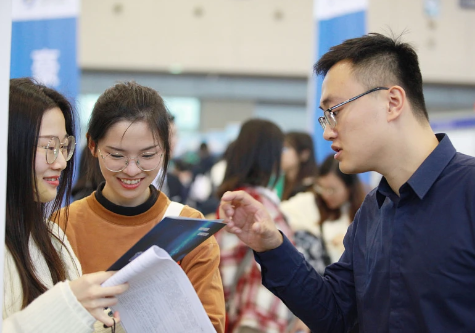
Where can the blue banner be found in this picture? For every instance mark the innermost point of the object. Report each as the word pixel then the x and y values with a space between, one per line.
pixel 335 21
pixel 44 43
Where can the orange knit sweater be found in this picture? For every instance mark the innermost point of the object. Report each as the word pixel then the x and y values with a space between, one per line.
pixel 99 237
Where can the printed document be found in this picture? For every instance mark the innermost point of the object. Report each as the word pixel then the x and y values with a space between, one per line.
pixel 160 298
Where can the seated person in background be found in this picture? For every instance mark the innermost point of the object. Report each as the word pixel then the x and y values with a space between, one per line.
pixel 43 290
pixel 328 209
pixel 129 134
pixel 298 204
pixel 338 197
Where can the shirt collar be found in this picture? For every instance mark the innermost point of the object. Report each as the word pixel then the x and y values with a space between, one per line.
pixel 427 173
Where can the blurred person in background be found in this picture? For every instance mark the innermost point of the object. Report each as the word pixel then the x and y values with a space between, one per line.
pixel 338 197
pixel 219 168
pixel 298 163
pixel 253 164
pixel 206 160
pixel 201 193
pixel 326 211
pixel 172 186
pixel 298 203
pixel 300 169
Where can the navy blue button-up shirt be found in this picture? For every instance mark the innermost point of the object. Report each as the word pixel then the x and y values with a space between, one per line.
pixel 409 260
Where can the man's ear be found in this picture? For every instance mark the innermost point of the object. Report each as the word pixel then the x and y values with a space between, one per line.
pixel 91 145
pixel 397 102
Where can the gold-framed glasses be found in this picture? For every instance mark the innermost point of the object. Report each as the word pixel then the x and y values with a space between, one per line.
pixel 55 146
pixel 116 162
pixel 329 115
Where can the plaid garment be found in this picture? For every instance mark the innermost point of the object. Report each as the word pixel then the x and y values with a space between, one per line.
pixel 252 305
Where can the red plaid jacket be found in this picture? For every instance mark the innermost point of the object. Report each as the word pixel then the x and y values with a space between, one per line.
pixel 252 305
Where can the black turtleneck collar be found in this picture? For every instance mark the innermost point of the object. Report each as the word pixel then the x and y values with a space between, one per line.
pixel 127 211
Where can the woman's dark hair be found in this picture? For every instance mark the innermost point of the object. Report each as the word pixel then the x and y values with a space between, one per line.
pixel 132 102
pixel 25 214
pixel 352 183
pixel 255 156
pixel 90 175
pixel 301 142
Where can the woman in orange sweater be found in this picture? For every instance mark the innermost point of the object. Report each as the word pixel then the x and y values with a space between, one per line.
pixel 128 133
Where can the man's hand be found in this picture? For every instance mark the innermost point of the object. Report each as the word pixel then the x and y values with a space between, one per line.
pixel 249 220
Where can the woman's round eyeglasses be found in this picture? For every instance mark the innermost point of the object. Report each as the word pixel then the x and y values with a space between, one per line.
pixel 54 146
pixel 116 162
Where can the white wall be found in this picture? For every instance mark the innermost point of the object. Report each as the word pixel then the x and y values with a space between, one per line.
pixel 259 37
pixel 264 37
pixel 5 41
pixel 445 43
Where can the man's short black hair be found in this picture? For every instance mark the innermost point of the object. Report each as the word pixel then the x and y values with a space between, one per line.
pixel 378 60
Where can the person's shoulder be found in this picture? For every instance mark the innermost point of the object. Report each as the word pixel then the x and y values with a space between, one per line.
pixel 462 167
pixel 300 198
pixel 188 211
pixel 464 160
pixel 79 204
pixel 55 229
pixel 371 197
pixel 76 211
pixel 370 204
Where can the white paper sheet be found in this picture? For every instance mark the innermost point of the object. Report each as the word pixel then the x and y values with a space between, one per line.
pixel 161 298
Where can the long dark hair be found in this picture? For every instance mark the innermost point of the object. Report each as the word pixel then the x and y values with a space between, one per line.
pixel 132 102
pixel 301 142
pixel 25 214
pixel 352 183
pixel 255 156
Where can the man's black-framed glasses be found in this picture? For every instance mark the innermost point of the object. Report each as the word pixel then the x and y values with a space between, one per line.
pixel 329 116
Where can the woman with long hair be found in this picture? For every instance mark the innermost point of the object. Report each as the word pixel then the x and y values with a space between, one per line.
pixel 253 166
pixel 128 134
pixel 43 290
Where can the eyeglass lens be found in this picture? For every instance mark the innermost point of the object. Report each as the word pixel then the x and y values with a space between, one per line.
pixel 327 119
pixel 325 190
pixel 146 162
pixel 54 146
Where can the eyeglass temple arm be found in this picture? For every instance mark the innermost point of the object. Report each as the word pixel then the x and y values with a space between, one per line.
pixel 356 97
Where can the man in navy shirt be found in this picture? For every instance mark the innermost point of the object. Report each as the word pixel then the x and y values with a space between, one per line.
pixel 409 260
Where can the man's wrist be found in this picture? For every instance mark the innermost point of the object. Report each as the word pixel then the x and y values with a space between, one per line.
pixel 274 242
